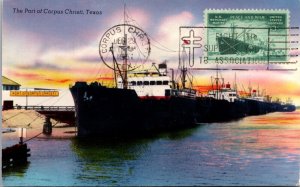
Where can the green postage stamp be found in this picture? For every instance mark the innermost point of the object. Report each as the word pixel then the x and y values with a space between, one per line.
pixel 247 36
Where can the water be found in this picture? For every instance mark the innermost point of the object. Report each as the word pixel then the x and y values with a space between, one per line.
pixel 258 150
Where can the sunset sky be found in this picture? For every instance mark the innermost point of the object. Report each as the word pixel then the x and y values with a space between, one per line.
pixel 54 51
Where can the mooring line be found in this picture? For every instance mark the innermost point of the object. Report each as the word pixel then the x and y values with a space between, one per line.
pixel 39 133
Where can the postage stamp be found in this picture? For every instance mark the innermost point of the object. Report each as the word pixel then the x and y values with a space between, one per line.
pixel 237 36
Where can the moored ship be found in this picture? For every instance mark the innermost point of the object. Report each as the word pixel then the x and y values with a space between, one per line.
pixel 259 104
pixel 141 101
pixel 225 102
pixel 149 104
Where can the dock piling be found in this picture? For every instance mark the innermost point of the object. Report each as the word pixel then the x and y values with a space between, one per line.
pixel 47 128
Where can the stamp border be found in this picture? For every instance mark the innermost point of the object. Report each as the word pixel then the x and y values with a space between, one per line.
pixel 206 11
pixel 266 11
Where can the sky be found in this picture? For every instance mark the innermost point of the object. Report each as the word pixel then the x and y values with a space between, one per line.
pixel 53 51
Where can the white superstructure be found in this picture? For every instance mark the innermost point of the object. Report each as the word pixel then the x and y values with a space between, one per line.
pixel 152 86
pixel 149 84
pixel 155 84
pixel 256 96
pixel 224 93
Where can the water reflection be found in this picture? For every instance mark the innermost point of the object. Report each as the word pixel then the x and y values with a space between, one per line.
pixel 16 171
pixel 258 150
pixel 112 161
pixel 107 162
pixel 179 134
pixel 272 135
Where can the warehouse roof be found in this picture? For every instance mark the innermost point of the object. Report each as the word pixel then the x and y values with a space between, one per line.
pixel 7 81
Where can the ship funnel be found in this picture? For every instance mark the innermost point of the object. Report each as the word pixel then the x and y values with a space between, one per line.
pixel 228 85
pixel 162 69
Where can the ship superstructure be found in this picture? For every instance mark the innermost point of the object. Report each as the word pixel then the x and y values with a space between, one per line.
pixel 224 93
pixel 156 84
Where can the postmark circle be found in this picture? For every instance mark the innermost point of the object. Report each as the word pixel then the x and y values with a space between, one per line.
pixel 122 42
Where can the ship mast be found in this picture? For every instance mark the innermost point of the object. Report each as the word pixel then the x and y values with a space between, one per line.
pixel 125 49
pixel 183 70
pixel 115 72
pixel 217 82
pixel 250 89
pixel 116 66
pixel 125 63
pixel 123 70
pixel 235 84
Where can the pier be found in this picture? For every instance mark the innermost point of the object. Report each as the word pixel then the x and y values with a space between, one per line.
pixel 45 108
pixel 64 114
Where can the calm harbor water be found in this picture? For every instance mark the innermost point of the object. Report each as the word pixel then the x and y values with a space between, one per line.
pixel 258 150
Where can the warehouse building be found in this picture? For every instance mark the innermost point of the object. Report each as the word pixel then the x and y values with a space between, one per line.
pixel 8 84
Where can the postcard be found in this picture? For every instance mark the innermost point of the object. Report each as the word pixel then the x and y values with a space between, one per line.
pixel 146 93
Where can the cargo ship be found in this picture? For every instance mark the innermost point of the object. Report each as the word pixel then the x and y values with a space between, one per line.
pixel 153 102
pixel 226 104
pixel 142 101
pixel 259 104
pixel 149 104
pixel 288 106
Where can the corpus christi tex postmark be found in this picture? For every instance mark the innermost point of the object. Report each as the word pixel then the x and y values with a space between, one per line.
pixel 122 42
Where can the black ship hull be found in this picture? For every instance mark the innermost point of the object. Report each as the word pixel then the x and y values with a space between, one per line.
pixel 223 110
pixel 102 111
pixel 287 108
pixel 257 107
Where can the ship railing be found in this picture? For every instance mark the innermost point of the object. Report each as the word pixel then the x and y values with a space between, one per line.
pixel 108 85
pixel 45 108
pixel 184 93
